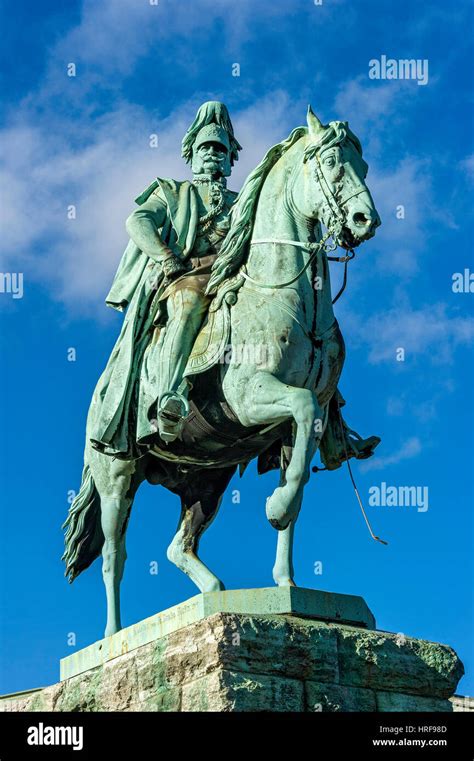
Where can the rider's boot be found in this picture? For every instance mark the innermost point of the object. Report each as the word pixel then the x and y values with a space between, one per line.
pixel 173 408
pixel 339 442
pixel 186 310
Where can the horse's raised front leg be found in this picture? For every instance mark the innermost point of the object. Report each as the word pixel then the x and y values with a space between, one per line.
pixel 269 400
pixel 201 494
pixel 283 568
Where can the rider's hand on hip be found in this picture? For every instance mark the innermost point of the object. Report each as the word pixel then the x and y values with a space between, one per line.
pixel 173 266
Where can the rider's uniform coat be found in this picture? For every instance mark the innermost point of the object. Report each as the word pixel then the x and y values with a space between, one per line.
pixel 137 288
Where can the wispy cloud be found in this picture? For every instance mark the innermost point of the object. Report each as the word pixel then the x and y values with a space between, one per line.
pixel 112 36
pixel 407 450
pixel 77 141
pixel 467 165
pixel 431 333
pixel 109 163
pixel 402 195
pixel 400 182
pixel 376 109
pixel 69 144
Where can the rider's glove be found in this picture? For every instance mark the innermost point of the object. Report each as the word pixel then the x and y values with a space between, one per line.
pixel 173 267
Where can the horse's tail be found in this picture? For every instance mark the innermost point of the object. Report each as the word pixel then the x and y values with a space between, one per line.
pixel 84 536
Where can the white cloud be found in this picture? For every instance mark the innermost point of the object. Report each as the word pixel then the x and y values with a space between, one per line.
pixel 100 161
pixel 375 111
pixel 401 196
pixel 367 102
pixel 113 35
pixel 266 122
pixel 433 332
pixel 101 171
pixel 467 165
pixel 43 174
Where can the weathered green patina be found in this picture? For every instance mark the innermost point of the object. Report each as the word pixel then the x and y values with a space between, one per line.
pixel 260 262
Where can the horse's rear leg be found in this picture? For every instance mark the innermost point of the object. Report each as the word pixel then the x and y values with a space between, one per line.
pixel 201 495
pixel 116 482
pixel 114 517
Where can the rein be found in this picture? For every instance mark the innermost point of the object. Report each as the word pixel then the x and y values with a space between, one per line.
pixel 313 248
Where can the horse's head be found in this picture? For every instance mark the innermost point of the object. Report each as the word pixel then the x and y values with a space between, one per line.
pixel 334 190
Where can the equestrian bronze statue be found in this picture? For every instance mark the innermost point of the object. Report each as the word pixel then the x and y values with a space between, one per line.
pixel 230 349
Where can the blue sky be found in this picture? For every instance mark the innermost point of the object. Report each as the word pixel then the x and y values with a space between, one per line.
pixel 84 141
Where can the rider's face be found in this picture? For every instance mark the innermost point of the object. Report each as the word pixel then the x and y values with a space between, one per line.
pixel 210 158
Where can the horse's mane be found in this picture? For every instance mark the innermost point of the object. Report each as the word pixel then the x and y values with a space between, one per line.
pixel 242 214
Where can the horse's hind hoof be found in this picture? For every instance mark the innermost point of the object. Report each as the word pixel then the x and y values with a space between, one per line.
pixel 284 581
pixel 111 630
pixel 214 586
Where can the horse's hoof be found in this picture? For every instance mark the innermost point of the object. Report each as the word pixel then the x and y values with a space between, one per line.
pixel 285 581
pixel 214 586
pixel 111 630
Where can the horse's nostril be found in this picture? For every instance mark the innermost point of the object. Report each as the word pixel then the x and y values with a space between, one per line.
pixel 375 223
pixel 361 219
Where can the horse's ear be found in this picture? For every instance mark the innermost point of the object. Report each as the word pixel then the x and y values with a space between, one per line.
pixel 316 128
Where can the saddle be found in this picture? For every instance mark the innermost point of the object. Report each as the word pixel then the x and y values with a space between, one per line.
pixel 211 434
pixel 213 338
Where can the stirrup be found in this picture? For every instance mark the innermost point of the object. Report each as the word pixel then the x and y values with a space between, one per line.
pixel 173 408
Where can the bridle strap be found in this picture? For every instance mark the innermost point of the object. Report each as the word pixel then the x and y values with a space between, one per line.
pixel 307 246
pixel 331 199
pixel 314 248
pixel 354 195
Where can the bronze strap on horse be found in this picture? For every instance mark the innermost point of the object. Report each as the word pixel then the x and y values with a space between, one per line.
pixel 314 248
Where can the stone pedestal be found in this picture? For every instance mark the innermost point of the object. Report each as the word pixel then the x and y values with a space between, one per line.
pixel 255 650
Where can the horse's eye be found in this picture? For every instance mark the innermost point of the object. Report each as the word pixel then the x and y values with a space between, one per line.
pixel 330 161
